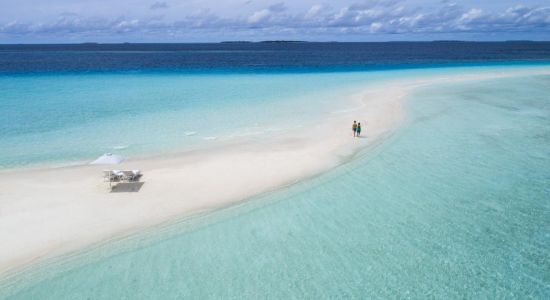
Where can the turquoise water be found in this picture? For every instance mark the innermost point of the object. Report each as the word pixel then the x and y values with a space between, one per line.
pixel 453 204
pixel 71 118
pixel 58 118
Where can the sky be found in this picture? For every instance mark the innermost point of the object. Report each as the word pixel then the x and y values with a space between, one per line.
pixel 112 21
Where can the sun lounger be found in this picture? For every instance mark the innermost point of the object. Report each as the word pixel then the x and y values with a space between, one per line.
pixel 117 176
pixel 131 175
pixel 112 175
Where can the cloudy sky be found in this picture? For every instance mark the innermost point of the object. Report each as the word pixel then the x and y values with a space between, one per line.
pixel 33 21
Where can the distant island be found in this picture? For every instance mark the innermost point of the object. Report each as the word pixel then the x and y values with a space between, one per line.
pixel 283 41
pixel 274 42
pixel 235 42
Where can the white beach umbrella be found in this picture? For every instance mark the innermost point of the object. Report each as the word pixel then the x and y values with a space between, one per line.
pixel 108 159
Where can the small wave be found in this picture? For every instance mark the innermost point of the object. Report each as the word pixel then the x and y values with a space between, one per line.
pixel 190 133
pixel 120 147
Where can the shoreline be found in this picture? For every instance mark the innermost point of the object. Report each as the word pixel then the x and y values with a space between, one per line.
pixel 80 212
pixel 235 138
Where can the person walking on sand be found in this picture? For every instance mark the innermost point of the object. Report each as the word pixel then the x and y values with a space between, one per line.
pixel 354 128
pixel 358 130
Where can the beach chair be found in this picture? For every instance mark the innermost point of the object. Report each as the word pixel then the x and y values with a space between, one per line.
pixel 132 175
pixel 108 176
pixel 137 174
pixel 112 176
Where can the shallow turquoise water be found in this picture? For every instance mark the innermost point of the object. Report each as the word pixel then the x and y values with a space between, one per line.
pixel 454 204
pixel 58 118
pixel 64 118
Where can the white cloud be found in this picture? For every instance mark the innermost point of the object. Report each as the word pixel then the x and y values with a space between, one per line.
pixel 259 16
pixel 367 17
pixel 375 27
pixel 471 15
pixel 266 15
pixel 314 11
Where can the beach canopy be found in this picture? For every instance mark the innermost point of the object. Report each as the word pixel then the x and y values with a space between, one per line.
pixel 108 159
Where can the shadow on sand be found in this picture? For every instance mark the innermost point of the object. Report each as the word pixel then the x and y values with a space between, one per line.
pixel 127 187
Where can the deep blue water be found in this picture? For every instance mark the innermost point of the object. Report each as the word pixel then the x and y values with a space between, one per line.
pixel 264 57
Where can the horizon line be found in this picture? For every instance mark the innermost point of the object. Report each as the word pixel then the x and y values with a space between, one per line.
pixel 281 42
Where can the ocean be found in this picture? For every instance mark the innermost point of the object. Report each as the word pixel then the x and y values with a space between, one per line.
pixel 454 203
pixel 68 104
pixel 264 57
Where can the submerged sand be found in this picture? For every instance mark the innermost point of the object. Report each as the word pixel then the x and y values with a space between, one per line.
pixel 52 211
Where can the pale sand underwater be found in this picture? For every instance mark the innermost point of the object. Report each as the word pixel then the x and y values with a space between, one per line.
pixel 49 212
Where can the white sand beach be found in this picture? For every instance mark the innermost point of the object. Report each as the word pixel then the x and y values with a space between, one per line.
pixel 52 211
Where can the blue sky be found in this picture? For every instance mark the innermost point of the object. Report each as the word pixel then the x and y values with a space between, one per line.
pixel 51 21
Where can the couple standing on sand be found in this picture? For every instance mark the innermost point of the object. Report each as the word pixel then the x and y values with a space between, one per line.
pixel 356 129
